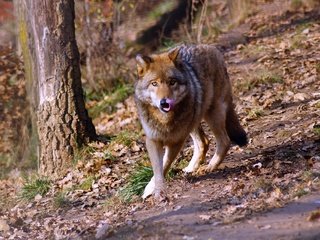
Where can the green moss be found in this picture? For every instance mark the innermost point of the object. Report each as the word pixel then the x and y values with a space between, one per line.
pixel 27 59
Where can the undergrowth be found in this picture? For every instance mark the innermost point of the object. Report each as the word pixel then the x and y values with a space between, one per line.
pixel 260 77
pixel 125 138
pixel 109 100
pixel 33 186
pixel 136 183
pixel 82 153
pixel 60 200
pixel 138 180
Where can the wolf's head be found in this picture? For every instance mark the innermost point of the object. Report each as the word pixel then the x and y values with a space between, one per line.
pixel 161 82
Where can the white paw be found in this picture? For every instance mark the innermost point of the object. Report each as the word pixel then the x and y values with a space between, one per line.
pixel 211 167
pixel 149 189
pixel 188 169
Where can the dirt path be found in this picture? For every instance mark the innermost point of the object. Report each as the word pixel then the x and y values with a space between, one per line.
pixel 190 222
pixel 289 222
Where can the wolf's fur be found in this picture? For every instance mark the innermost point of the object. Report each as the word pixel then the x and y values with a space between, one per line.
pixel 195 86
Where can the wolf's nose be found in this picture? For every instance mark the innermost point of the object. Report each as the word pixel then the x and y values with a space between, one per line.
pixel 163 103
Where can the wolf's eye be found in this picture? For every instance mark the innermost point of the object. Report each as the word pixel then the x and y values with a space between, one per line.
pixel 154 84
pixel 172 82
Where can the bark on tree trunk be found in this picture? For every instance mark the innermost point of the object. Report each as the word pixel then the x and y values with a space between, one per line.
pixel 47 37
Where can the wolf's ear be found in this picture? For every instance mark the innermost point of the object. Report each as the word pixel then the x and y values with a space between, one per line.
pixel 173 53
pixel 143 63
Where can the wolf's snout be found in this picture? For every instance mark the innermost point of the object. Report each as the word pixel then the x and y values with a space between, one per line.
pixel 163 103
pixel 166 104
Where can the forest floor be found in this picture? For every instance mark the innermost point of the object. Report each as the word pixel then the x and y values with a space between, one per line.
pixel 267 190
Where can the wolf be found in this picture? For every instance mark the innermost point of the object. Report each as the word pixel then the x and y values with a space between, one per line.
pixel 174 92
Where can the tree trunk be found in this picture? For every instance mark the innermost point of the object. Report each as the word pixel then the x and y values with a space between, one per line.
pixel 51 57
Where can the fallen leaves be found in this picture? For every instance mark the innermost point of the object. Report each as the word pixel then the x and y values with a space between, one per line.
pixel 4 226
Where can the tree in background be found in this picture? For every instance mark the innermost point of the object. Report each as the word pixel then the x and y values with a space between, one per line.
pixel 51 58
pixel 184 12
pixel 97 34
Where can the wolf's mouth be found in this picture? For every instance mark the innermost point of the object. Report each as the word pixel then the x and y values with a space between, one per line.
pixel 165 107
pixel 166 104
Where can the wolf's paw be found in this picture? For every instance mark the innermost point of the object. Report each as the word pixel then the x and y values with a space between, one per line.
pixel 189 169
pixel 149 189
pixel 201 170
pixel 160 197
pixel 210 168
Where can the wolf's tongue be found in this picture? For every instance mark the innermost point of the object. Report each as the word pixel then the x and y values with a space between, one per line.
pixel 168 105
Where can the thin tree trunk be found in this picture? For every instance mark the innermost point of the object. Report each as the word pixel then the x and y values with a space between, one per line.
pixel 47 37
pixel 89 73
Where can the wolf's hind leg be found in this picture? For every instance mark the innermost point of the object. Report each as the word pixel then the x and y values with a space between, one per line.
pixel 216 119
pixel 171 152
pixel 200 148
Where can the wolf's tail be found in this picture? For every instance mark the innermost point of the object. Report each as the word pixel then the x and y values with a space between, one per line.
pixel 235 131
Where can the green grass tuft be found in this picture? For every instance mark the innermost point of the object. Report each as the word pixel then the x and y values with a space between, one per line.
pixel 60 200
pixel 126 138
pixel 82 153
pixel 261 76
pixel 109 101
pixel 108 156
pixel 301 191
pixel 267 77
pixel 255 113
pixel 34 186
pixel 316 129
pixel 86 185
pixel 137 182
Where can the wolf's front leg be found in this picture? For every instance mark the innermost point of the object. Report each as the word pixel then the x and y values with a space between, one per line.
pixel 171 151
pixel 157 184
